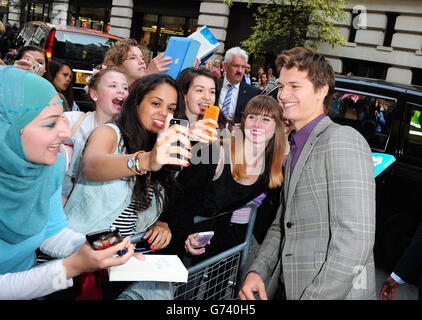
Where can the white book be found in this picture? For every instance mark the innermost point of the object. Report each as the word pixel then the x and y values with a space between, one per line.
pixel 209 43
pixel 167 268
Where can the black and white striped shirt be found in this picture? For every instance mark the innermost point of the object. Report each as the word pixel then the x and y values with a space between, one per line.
pixel 126 221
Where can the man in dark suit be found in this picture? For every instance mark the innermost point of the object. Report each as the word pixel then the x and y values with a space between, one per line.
pixel 235 94
pixel 407 269
pixel 247 77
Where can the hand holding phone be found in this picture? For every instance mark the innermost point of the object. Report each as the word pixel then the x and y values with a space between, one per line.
pixel 186 124
pixel 203 238
pixel 211 112
pixel 35 66
pixel 104 239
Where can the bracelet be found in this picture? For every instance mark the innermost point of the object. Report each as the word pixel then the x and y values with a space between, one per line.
pixel 137 170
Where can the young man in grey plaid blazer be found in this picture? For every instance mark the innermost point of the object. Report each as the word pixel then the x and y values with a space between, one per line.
pixel 320 244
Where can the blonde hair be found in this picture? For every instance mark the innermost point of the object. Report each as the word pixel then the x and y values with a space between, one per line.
pixel 274 151
pixel 2 28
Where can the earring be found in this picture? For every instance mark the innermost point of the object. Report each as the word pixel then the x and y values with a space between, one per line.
pixel 95 98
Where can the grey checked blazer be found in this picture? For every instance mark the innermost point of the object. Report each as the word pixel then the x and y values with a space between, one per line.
pixel 324 231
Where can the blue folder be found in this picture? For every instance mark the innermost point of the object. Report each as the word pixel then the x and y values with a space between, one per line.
pixel 381 162
pixel 183 51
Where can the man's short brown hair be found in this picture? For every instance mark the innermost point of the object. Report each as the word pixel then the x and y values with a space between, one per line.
pixel 320 72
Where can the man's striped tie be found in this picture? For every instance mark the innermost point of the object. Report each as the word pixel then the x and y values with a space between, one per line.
pixel 226 104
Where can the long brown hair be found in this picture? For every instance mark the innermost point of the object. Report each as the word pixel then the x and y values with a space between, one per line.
pixel 274 151
pixel 184 82
pixel 136 137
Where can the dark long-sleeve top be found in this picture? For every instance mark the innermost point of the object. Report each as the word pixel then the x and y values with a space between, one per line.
pixel 409 267
pixel 199 195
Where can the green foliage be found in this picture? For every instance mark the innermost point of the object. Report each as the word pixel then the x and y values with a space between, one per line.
pixel 283 24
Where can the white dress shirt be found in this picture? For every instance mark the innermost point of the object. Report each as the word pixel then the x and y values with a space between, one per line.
pixel 248 79
pixel 235 93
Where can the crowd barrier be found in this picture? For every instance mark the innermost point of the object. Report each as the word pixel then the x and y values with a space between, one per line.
pixel 218 277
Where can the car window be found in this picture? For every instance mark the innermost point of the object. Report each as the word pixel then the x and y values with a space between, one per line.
pixel 80 46
pixel 413 143
pixel 369 114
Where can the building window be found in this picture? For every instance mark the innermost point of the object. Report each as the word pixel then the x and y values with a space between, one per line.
pixel 390 29
pixel 90 18
pixel 156 30
pixel 149 31
pixel 417 76
pixel 364 68
pixel 4 7
pixel 353 27
pixel 38 11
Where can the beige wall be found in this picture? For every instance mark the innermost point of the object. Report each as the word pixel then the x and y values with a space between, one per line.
pixel 406 45
pixel 404 53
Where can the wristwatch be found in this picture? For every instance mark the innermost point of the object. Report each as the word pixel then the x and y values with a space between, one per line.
pixel 133 164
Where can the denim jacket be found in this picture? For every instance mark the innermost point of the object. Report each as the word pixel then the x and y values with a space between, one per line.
pixel 93 206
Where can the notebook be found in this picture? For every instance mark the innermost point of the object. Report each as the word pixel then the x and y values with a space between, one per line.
pixel 167 268
pixel 209 43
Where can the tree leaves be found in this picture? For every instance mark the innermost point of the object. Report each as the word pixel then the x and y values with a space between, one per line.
pixel 283 24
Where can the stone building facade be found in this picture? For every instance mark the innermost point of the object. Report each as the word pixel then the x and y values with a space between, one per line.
pixel 384 37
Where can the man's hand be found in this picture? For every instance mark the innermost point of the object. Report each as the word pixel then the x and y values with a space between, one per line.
pixel 253 283
pixel 388 289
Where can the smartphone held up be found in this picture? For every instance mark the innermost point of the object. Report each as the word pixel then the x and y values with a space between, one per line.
pixel 36 67
pixel 186 124
pixel 211 112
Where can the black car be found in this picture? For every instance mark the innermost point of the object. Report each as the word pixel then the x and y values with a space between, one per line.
pixel 83 49
pixel 389 116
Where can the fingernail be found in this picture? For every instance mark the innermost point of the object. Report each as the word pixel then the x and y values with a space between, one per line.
pixel 188 164
pixel 150 240
pixel 152 248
